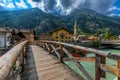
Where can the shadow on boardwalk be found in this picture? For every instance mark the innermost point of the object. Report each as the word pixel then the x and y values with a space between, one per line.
pixel 30 71
pixel 41 65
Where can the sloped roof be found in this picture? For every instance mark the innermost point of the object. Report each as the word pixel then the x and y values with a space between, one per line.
pixel 60 29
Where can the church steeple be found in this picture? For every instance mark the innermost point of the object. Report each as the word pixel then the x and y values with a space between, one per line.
pixel 75 28
pixel 75 35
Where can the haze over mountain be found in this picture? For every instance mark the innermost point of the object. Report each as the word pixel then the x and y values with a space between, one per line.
pixel 89 21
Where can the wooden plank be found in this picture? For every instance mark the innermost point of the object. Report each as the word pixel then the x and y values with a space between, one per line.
pixel 110 69
pixel 81 59
pixel 48 69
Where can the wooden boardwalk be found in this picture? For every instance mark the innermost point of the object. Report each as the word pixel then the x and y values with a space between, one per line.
pixel 47 67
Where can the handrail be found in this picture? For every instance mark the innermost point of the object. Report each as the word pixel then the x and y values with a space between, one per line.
pixel 100 58
pixel 98 52
pixel 8 60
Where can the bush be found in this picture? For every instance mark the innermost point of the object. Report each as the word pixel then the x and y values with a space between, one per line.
pixel 96 43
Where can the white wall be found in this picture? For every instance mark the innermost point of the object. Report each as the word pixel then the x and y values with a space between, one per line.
pixel 2 39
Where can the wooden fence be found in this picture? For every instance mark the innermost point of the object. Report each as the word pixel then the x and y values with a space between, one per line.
pixel 61 49
pixel 12 63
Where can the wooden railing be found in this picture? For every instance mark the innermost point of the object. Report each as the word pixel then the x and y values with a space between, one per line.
pixel 61 49
pixel 12 63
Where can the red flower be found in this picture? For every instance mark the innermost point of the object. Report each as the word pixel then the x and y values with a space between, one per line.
pixel 86 52
pixel 79 50
pixel 75 55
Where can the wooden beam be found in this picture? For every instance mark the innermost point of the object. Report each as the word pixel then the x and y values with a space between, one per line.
pixel 81 59
pixel 87 75
pixel 114 56
pixel 55 49
pixel 47 47
pixel 8 60
pixel 95 51
pixel 67 53
pixel 58 55
pixel 110 69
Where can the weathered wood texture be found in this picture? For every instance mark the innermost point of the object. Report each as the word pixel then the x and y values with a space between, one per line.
pixel 100 59
pixel 8 60
pixel 48 67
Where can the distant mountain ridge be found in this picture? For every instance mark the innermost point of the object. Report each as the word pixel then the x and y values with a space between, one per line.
pixel 89 21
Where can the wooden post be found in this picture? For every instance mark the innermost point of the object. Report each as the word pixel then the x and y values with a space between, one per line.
pixel 45 47
pixel 22 59
pixel 99 73
pixel 50 48
pixel 97 67
pixel 61 53
pixel 103 73
pixel 118 67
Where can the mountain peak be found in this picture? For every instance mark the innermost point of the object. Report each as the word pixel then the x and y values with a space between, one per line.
pixel 89 21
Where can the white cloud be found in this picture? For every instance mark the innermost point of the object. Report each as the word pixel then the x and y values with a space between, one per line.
pixel 2 4
pixel 112 14
pixel 33 4
pixel 113 8
pixel 10 5
pixel 21 4
pixel 41 5
pixel 119 15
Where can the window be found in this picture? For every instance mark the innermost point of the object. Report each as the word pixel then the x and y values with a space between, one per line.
pixel 62 35
pixel 56 33
pixel 56 37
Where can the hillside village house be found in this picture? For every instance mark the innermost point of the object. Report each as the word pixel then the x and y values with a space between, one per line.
pixel 5 36
pixel 62 35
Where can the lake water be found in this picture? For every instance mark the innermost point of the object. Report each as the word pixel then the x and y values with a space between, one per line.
pixel 90 66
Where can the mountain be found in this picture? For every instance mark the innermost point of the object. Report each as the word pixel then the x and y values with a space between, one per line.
pixel 89 21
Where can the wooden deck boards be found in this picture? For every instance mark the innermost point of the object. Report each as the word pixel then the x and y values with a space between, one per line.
pixel 48 67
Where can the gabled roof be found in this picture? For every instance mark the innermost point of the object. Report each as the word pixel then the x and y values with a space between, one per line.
pixel 61 29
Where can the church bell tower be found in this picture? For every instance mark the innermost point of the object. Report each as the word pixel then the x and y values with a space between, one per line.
pixel 75 34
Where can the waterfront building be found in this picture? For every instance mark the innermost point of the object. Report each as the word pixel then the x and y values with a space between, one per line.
pixel 8 36
pixel 62 35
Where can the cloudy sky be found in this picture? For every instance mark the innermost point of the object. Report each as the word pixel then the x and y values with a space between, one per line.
pixel 64 7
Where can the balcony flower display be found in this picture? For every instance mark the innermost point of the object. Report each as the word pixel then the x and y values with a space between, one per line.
pixel 79 53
